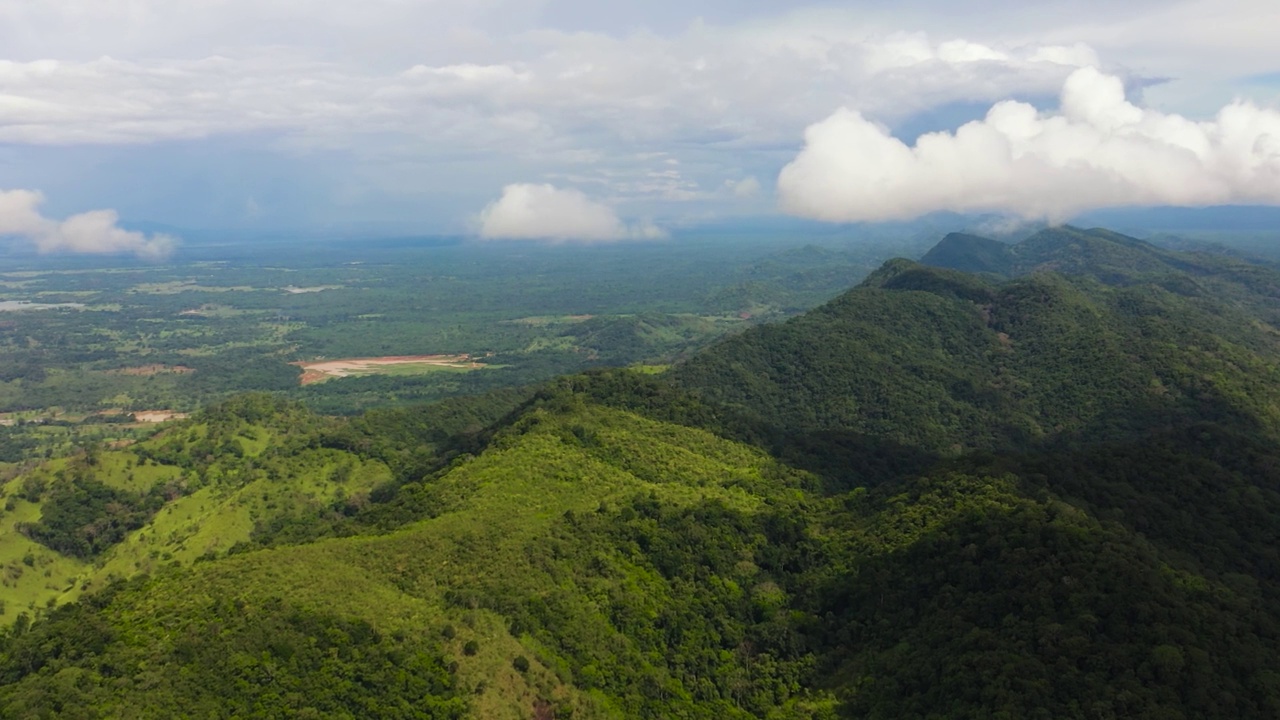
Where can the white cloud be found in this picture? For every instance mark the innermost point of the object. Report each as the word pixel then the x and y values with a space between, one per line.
pixel 94 232
pixel 722 85
pixel 545 212
pixel 1098 150
pixel 1077 55
pixel 85 29
pixel 93 71
pixel 399 94
pixel 548 104
pixel 747 187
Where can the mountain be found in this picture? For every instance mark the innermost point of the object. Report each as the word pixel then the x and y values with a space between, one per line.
pixel 1046 492
pixel 970 253
pixel 1106 256
pixel 946 361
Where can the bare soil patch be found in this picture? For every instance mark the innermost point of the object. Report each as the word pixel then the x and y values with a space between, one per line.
pixel 157 416
pixel 320 370
pixel 544 320
pixel 148 370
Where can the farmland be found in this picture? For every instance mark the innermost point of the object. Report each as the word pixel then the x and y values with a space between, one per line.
pixel 88 341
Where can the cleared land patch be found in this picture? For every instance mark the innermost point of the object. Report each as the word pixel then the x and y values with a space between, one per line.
pixel 545 320
pixel 173 287
pixel 321 370
pixel 225 311
pixel 154 369
pixel 19 305
pixel 314 289
pixel 158 416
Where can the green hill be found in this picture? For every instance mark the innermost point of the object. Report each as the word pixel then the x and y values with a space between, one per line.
pixel 947 362
pixel 646 569
pixel 528 550
pixel 1116 260
pixel 971 253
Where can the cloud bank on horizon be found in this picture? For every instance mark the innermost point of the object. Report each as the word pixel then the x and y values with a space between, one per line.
pixel 279 113
pixel 94 232
pixel 544 212
pixel 1096 151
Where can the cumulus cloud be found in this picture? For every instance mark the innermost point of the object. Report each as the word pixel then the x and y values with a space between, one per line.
pixel 544 212
pixel 722 85
pixel 408 93
pixel 96 232
pixel 1097 150
pixel 747 187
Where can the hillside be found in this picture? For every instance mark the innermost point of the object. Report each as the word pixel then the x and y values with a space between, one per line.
pixel 248 468
pixel 1047 494
pixel 537 565
pixel 646 569
pixel 1102 254
pixel 945 362
pixel 972 254
pixel 1117 260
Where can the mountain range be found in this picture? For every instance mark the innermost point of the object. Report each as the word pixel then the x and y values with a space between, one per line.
pixel 1031 480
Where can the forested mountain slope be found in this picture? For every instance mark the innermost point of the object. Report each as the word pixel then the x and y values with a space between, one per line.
pixel 940 495
pixel 1106 255
pixel 591 562
pixel 946 361
pixel 565 544
pixel 1117 260
pixel 972 254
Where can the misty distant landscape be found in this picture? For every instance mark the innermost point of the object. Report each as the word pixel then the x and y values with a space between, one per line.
pixel 550 360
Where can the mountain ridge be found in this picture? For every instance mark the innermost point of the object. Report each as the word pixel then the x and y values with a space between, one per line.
pixel 938 494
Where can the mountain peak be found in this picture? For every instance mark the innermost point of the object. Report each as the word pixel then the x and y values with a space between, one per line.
pixel 900 274
pixel 1107 256
pixel 971 253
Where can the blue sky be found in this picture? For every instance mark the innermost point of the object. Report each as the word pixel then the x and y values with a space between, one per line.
pixel 582 120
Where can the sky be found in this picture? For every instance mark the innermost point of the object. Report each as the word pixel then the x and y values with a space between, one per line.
pixel 583 121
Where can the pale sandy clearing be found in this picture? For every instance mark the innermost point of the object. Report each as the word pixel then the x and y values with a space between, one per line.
pixel 344 367
pixel 157 416
pixel 149 370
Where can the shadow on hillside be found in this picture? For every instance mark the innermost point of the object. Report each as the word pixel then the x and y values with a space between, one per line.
pixel 1128 418
pixel 1200 480
pixel 843 459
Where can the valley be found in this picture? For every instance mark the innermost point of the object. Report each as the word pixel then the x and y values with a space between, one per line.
pixel 178 337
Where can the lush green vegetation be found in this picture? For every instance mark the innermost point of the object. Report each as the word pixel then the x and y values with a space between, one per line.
pixel 180 337
pixel 81 517
pixel 1044 491
pixel 944 361
pixel 268 659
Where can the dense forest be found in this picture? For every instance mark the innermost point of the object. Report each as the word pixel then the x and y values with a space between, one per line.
pixel 1012 481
